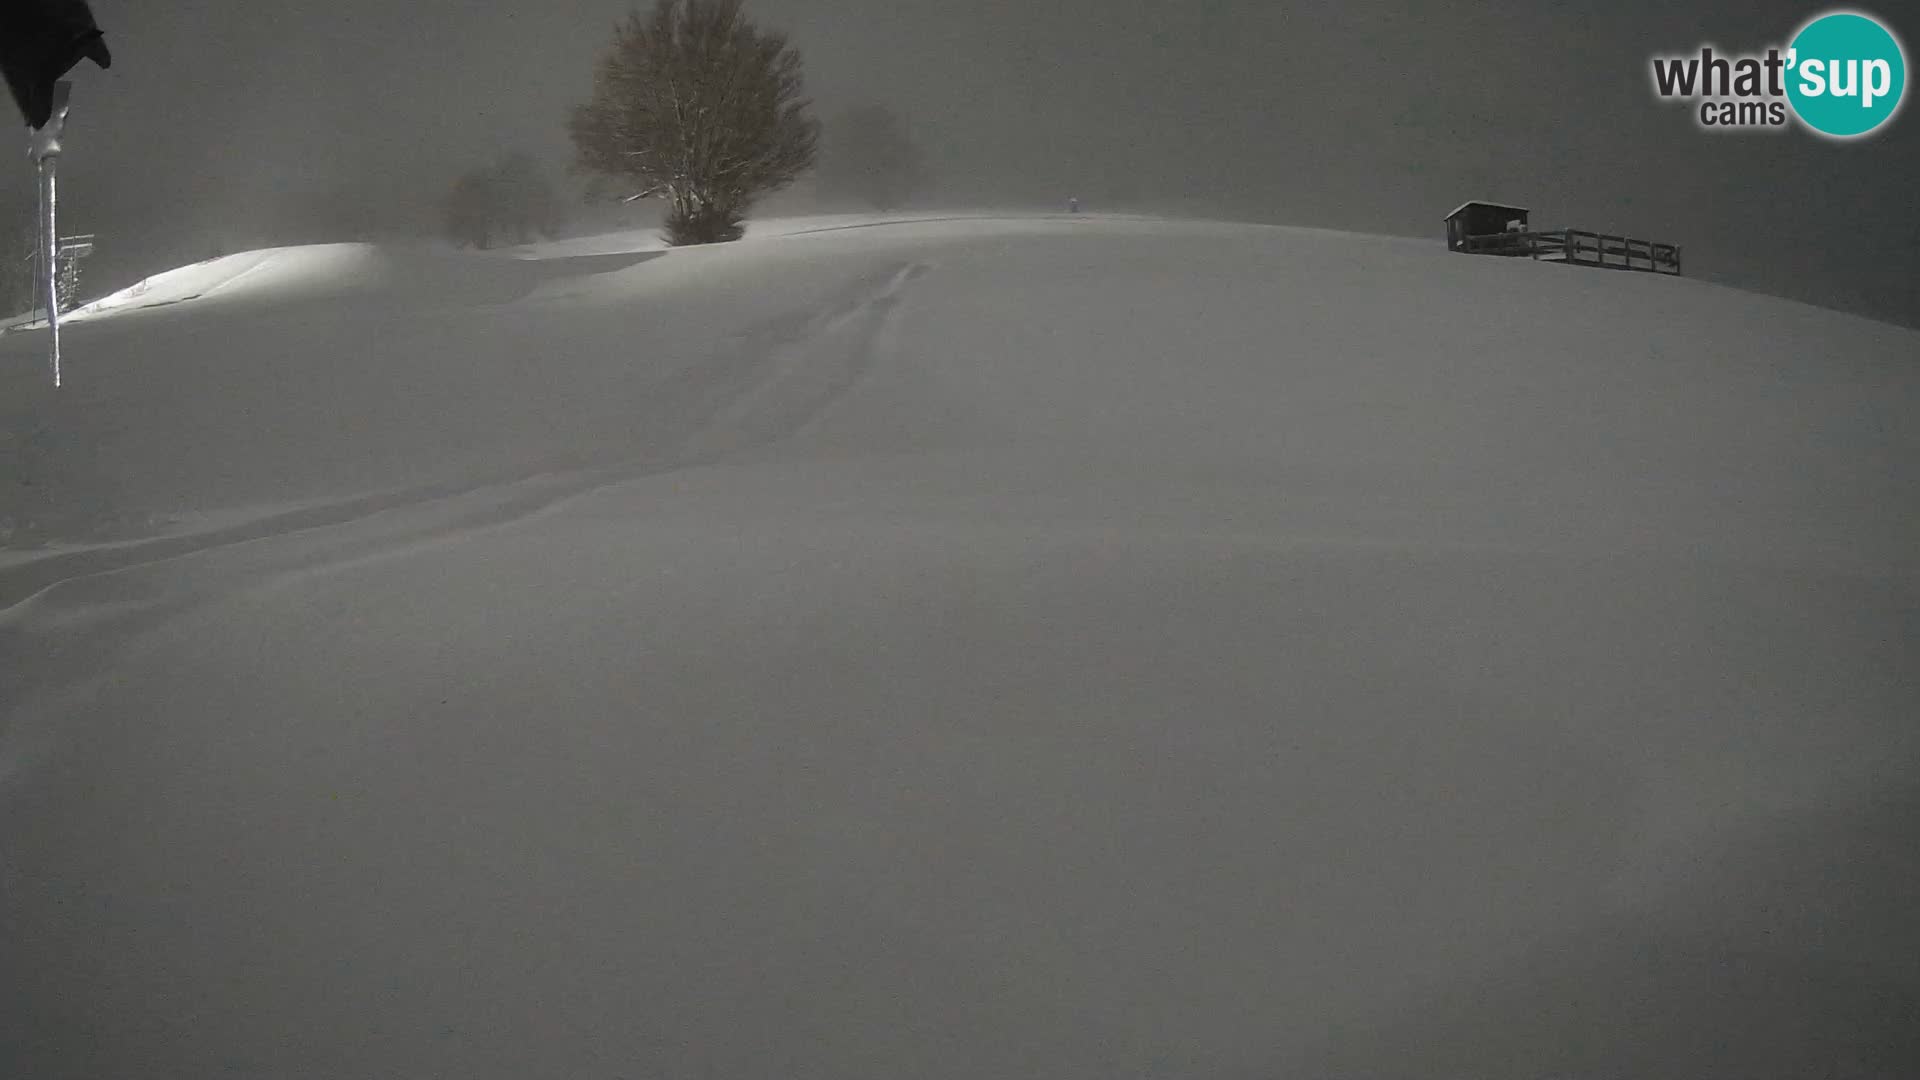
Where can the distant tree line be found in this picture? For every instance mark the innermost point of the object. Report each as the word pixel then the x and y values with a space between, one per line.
pixel 870 157
pixel 510 201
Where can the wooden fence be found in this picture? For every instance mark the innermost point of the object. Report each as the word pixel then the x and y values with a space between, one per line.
pixel 1579 248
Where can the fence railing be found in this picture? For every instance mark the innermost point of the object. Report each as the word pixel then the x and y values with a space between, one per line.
pixel 1580 248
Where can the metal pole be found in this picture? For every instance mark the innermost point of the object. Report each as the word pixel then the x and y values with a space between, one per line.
pixel 50 255
pixel 46 153
pixel 39 258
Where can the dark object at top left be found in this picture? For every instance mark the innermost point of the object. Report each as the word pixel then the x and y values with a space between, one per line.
pixel 40 41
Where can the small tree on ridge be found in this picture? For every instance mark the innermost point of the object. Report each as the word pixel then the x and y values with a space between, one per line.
pixel 700 107
pixel 510 199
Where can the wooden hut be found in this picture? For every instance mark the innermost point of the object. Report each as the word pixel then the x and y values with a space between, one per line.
pixel 1483 219
pixel 1490 228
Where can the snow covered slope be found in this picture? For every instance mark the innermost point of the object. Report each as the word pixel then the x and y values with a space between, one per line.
pixel 963 648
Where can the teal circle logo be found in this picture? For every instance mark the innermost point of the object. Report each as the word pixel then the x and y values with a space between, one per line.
pixel 1848 75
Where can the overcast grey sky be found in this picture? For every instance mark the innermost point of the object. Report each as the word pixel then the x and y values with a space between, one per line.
pixel 226 121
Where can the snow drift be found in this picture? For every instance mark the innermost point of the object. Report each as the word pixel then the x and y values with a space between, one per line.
pixel 985 647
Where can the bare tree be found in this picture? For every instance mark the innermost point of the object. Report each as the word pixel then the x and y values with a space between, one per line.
pixel 698 106
pixel 870 156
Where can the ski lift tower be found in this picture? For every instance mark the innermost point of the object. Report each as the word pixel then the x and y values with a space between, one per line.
pixel 71 250
pixel 40 41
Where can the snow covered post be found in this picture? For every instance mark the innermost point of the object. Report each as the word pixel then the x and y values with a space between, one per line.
pixel 43 41
pixel 46 156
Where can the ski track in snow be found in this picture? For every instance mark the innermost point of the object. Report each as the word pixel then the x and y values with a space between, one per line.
pixel 761 389
pixel 758 392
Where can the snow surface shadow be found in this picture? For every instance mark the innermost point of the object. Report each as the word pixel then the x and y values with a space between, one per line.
pixel 73 467
pixel 757 389
pixel 408 280
pixel 1776 986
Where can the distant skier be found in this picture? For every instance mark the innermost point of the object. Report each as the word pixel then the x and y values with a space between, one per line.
pixel 1073 204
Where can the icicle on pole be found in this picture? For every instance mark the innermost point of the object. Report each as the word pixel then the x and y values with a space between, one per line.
pixel 46 156
pixel 44 39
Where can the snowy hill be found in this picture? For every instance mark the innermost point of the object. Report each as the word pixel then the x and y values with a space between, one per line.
pixel 976 646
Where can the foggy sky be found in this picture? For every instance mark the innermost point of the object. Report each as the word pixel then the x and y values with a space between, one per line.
pixel 228 123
